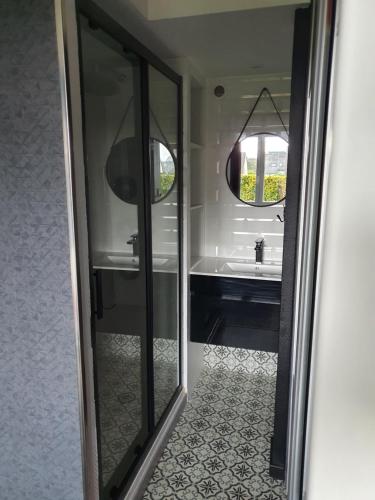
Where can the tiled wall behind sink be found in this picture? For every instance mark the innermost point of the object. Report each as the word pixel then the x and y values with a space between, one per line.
pixel 231 227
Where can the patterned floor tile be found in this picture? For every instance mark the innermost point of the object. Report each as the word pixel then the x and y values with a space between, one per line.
pixel 221 445
pixel 120 391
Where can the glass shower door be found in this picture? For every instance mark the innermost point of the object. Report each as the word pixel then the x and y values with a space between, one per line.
pixel 115 182
pixel 164 158
pixel 132 125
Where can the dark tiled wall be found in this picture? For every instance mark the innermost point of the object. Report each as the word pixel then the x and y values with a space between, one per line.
pixel 40 455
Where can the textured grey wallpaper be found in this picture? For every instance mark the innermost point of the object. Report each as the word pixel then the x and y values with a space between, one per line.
pixel 40 455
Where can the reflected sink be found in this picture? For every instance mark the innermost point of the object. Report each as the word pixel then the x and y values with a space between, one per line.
pixel 158 261
pixel 125 260
pixel 248 267
pixel 130 261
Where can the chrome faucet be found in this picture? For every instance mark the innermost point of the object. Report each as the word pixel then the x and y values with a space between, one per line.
pixel 134 241
pixel 259 246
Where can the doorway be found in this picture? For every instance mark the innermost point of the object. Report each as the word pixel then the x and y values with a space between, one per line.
pixel 132 122
pixel 158 148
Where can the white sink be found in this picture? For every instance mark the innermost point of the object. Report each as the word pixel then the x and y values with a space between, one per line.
pixel 130 261
pixel 249 267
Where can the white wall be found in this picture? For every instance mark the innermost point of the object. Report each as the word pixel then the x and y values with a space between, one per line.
pixel 197 170
pixel 341 459
pixel 169 9
pixel 232 226
pixel 192 351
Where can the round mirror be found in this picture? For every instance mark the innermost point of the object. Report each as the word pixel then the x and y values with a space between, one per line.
pixel 121 168
pixel 163 168
pixel 257 168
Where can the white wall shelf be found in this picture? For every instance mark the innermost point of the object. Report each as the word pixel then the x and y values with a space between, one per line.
pixel 194 207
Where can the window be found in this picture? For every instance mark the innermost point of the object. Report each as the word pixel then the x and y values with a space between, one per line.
pixel 257 169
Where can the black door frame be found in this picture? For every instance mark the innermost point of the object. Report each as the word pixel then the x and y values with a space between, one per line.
pixel 297 318
pixel 325 21
pixel 98 18
pixel 300 67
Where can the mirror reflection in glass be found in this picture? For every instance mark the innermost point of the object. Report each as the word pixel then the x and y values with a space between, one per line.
pixel 257 169
pixel 121 175
pixel 163 168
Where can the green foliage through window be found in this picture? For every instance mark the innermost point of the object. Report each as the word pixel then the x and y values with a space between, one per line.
pixel 274 187
pixel 248 184
pixel 166 182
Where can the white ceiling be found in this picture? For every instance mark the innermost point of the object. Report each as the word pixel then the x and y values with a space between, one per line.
pixel 234 43
pixel 167 9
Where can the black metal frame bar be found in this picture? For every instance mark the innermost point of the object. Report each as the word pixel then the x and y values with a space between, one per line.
pixel 180 215
pixel 327 62
pixel 100 19
pixel 291 241
pixel 296 134
pixel 145 119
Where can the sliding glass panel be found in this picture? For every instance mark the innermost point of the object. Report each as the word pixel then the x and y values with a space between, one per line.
pixel 163 95
pixel 114 169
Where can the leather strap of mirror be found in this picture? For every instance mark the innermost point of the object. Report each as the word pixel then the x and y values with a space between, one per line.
pixel 263 91
pixel 153 117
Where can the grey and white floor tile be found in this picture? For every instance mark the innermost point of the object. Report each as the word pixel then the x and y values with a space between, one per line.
pixel 220 448
pixel 120 391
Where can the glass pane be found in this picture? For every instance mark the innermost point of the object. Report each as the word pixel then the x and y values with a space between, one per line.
pixel 249 160
pixel 114 170
pixel 164 131
pixel 275 167
pixel 163 169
